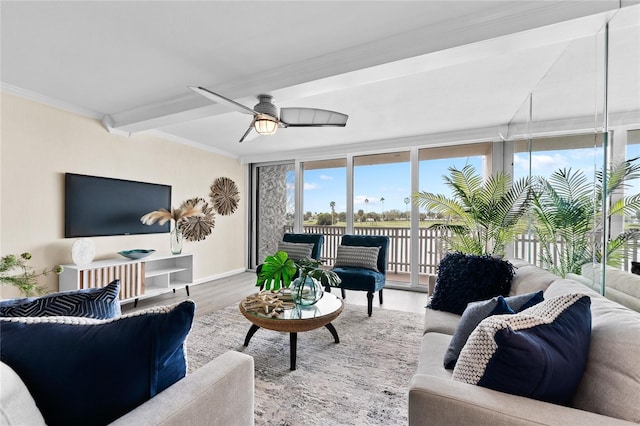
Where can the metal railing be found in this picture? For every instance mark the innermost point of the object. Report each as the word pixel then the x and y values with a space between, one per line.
pixel 431 248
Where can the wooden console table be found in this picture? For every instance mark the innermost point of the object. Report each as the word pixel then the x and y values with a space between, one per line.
pixel 139 278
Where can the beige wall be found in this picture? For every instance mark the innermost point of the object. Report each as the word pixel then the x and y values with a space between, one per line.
pixel 39 143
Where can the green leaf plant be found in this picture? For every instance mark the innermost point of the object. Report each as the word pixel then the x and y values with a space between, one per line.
pixel 484 215
pixel 568 212
pixel 278 272
pixel 313 268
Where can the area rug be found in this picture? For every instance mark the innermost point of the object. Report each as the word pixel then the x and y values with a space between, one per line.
pixel 363 380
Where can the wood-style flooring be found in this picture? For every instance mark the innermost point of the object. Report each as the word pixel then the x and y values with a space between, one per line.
pixel 220 293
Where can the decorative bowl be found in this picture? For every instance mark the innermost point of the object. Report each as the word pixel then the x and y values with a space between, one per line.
pixel 136 253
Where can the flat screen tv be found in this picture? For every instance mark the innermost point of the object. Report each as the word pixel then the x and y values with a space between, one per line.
pixel 100 206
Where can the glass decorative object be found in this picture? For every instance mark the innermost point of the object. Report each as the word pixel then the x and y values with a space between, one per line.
pixel 306 291
pixel 176 240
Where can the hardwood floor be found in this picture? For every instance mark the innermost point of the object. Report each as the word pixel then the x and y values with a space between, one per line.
pixel 217 294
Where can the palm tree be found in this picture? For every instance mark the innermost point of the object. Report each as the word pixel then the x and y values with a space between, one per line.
pixel 333 210
pixel 382 213
pixel 568 212
pixel 407 200
pixel 484 215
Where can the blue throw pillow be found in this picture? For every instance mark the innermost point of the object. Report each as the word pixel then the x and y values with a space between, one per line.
pixel 83 371
pixel 464 278
pixel 100 303
pixel 477 311
pixel 539 353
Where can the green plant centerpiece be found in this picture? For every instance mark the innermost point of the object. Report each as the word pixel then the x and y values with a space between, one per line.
pixel 484 214
pixel 278 272
pixel 15 271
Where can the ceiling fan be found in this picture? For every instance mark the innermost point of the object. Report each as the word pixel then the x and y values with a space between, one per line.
pixel 267 117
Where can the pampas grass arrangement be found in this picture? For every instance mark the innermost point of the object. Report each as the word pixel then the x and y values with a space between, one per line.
pixel 162 216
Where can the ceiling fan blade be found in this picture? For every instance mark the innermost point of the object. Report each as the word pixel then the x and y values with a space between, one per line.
pixel 221 99
pixel 247 132
pixel 312 117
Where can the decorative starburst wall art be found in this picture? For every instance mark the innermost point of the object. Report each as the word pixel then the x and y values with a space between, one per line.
pixel 197 227
pixel 224 196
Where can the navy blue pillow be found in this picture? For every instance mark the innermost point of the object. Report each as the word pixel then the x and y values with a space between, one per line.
pixel 465 278
pixel 83 371
pixel 539 353
pixel 99 303
pixel 477 311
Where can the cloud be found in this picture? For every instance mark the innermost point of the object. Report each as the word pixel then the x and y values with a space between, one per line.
pixel 359 200
pixel 310 186
pixel 326 177
pixel 541 162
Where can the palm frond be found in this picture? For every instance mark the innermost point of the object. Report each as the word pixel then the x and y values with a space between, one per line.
pixel 568 211
pixel 488 212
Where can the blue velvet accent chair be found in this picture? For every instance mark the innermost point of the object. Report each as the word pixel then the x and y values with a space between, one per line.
pixel 364 279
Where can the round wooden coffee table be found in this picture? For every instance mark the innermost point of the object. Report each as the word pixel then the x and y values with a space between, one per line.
pixel 297 320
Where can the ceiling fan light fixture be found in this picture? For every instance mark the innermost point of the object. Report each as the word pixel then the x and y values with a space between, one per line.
pixel 265 125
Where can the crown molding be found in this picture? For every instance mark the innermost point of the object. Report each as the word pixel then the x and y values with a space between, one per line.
pixel 46 100
pixel 188 142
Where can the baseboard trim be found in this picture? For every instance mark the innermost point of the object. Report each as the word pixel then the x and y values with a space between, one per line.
pixel 219 276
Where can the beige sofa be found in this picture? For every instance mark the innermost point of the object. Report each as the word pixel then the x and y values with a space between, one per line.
pixel 219 393
pixel 607 394
pixel 621 286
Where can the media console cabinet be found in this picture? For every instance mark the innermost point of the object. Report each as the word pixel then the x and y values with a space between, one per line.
pixel 139 278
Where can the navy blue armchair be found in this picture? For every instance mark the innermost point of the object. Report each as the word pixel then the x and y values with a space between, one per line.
pixel 355 276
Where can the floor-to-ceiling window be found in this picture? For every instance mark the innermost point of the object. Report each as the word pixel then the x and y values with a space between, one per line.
pixel 325 206
pixel 434 165
pixel 381 186
pixel 575 156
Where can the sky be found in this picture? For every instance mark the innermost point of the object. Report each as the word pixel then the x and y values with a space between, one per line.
pixel 393 182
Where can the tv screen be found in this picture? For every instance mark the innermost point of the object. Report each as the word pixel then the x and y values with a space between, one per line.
pixel 99 206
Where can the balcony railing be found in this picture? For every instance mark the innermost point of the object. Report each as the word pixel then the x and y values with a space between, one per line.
pixel 431 248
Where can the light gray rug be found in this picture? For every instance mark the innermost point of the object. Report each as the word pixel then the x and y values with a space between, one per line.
pixel 363 380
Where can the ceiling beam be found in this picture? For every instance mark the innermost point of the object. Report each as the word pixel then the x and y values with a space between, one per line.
pixel 373 61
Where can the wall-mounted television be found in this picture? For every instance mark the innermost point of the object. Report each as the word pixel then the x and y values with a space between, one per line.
pixel 99 206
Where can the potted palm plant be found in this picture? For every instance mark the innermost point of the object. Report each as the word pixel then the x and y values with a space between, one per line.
pixel 568 212
pixel 484 214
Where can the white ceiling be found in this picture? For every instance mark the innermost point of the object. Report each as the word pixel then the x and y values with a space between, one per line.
pixel 403 71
